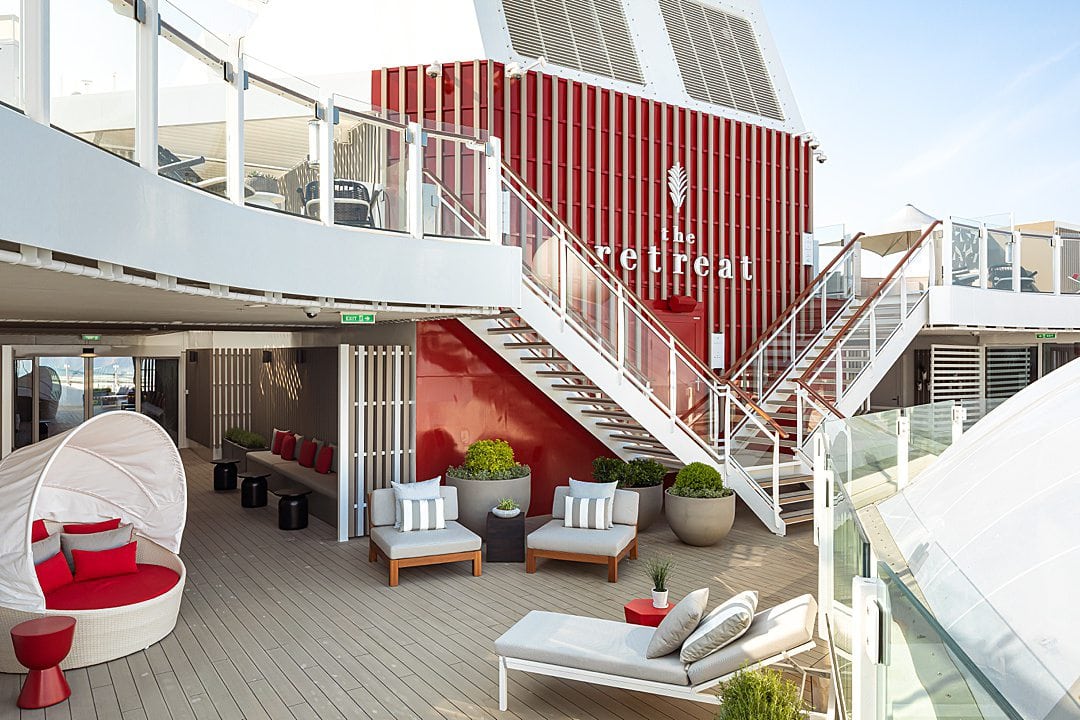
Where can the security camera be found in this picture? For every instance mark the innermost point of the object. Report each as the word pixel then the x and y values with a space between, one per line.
pixel 515 70
pixel 821 157
pixel 433 70
pixel 312 311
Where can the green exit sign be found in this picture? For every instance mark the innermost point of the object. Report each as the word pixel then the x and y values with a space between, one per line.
pixel 357 318
pixel 91 338
pixel 1046 336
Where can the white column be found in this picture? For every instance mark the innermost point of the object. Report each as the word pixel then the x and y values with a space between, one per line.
pixel 414 183
pixel 7 399
pixel 1017 252
pixel 181 399
pixel 344 445
pixel 326 161
pixel 1055 252
pixel 493 190
pixel 146 86
pixel 36 93
pixel 234 125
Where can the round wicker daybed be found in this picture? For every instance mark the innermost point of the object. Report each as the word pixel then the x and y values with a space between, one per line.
pixel 116 465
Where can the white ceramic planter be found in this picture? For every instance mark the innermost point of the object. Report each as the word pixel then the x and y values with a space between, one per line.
pixel 700 521
pixel 477 497
pixel 659 599
pixel 506 513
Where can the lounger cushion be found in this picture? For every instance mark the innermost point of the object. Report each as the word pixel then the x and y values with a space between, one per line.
pixel 772 632
pixel 679 623
pixel 454 538
pixel 557 538
pixel 585 643
pixel 624 510
pixel 727 622
pixel 382 510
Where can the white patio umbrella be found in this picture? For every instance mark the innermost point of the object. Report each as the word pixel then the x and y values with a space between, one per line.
pixel 899 232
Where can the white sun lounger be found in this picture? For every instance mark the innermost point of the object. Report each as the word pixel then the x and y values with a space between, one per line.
pixel 606 652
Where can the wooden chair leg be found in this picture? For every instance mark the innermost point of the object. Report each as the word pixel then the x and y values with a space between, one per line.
pixel 373 554
pixel 530 561
pixel 393 573
pixel 476 564
pixel 613 569
pixel 633 550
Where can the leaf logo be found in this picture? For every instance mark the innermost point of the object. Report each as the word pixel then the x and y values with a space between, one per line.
pixel 676 183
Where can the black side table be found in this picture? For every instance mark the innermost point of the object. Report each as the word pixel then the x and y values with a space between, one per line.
pixel 224 475
pixel 253 491
pixel 505 538
pixel 292 508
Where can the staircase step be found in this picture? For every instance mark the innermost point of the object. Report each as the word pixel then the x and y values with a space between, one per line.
pixel 527 345
pixel 538 359
pixel 560 373
pixel 794 517
pixel 650 452
pixel 796 496
pixel 572 387
pixel 510 330
pixel 766 482
pixel 606 413
pixel 646 439
pixel 593 401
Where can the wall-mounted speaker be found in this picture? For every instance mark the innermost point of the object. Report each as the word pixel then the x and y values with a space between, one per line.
pixel 268 357
pixel 193 356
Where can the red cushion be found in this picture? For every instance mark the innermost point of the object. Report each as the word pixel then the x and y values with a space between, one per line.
pixel 325 459
pixel 275 444
pixel 147 582
pixel 53 573
pixel 87 528
pixel 307 453
pixel 288 447
pixel 94 564
pixel 38 531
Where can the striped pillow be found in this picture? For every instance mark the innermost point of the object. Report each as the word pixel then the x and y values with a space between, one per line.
pixel 422 514
pixel 587 513
pixel 725 624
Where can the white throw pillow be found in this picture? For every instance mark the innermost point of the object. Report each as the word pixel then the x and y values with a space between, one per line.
pixel 725 624
pixel 422 514
pixel 683 619
pixel 422 490
pixel 582 489
pixel 586 513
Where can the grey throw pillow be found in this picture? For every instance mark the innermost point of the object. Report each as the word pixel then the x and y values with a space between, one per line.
pixel 679 623
pixel 725 624
pixel 105 540
pixel 582 489
pixel 46 548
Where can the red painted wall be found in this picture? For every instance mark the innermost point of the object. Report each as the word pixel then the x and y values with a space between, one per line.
pixel 465 392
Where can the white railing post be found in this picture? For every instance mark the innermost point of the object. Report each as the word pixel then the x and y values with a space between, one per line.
pixel 327 118
pixel 931 259
pixel 799 417
pixel 820 485
pixel 946 253
pixel 493 200
pixel 824 298
pixel 959 416
pixel 903 291
pixel 839 371
pixel 36 93
pixel 146 84
pixel 672 380
pixel 236 77
pixel 727 432
pixel 562 274
pixel 872 331
pixel 825 550
pixel 903 436
pixel 620 329
pixel 1017 254
pixel 794 350
pixel 414 183
pixel 776 481
pixel 869 623
pixel 984 279
pixel 1055 253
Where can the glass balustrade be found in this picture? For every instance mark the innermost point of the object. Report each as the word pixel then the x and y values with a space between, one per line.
pixel 999 260
pixel 455 180
pixel 966 254
pixel 1070 265
pixel 1037 264
pixel 10 55
pixel 371 166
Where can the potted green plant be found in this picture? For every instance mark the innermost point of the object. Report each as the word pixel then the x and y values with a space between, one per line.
pixel 507 508
pixel 700 510
pixel 238 442
pixel 260 181
pixel 641 475
pixel 488 475
pixel 761 694
pixel 659 569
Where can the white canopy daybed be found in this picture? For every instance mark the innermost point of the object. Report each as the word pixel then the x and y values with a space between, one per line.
pixel 116 465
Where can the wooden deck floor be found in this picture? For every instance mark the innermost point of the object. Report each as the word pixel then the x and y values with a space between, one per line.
pixel 295 625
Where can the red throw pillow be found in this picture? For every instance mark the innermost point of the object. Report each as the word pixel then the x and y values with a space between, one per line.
pixel 288 447
pixel 279 436
pixel 307 453
pixel 53 573
pixel 38 531
pixel 94 564
pixel 87 528
pixel 325 459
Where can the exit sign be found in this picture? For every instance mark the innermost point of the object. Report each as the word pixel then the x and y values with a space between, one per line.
pixel 1046 336
pixel 91 338
pixel 357 318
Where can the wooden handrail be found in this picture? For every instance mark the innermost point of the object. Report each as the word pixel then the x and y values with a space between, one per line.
pixel 747 400
pixel 792 308
pixel 820 399
pixel 854 319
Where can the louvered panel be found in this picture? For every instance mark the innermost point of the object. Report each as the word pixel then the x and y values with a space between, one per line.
pixel 685 55
pixel 524 27
pixel 753 63
pixel 554 30
pixel 1008 371
pixel 730 60
pixel 617 42
pixel 586 37
pixel 956 372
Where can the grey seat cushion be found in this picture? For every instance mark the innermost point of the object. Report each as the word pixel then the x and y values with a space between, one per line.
pixel 773 631
pixel 267 458
pixel 555 537
pixel 292 471
pixel 589 644
pixel 454 538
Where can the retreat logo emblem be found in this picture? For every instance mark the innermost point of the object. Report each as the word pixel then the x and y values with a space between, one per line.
pixel 677 183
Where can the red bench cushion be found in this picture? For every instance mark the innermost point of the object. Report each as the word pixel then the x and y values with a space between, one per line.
pixel 325 459
pixel 307 454
pixel 96 564
pixel 146 583
pixel 38 531
pixel 87 528
pixel 53 574
pixel 288 448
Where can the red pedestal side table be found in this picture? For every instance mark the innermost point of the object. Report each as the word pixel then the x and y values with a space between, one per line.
pixel 642 612
pixel 41 645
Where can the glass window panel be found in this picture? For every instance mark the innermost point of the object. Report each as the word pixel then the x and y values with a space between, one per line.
pixel 23 420
pixel 159 390
pixel 113 381
pixel 10 60
pixel 61 382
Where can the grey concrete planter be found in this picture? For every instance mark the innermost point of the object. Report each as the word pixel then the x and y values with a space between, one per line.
pixel 700 521
pixel 650 505
pixel 232 451
pixel 477 497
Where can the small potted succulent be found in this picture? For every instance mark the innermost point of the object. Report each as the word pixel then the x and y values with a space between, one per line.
pixel 488 475
pixel 507 508
pixel 640 475
pixel 659 569
pixel 700 510
pixel 761 694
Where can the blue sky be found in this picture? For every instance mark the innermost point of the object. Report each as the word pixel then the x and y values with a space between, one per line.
pixel 960 108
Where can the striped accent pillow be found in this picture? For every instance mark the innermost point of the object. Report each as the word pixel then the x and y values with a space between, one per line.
pixel 725 624
pixel 422 514
pixel 587 513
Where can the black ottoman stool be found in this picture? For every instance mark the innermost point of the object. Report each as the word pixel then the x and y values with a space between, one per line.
pixel 224 475
pixel 253 491
pixel 292 508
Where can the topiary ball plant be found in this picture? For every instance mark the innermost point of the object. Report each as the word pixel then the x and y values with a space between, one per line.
pixel 698 480
pixel 489 460
pixel 761 694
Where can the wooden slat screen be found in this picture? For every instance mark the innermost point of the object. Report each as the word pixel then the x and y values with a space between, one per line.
pixel 231 381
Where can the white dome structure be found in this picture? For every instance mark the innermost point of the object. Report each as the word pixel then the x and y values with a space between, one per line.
pixel 992 537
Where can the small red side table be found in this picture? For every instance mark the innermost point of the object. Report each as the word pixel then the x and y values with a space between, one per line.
pixel 642 612
pixel 41 645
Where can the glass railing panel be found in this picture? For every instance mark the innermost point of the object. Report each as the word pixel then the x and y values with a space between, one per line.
pixel 888 314
pixel 647 355
pixel 930 432
pixel 850 552
pixel 92 72
pixel 371 153
pixel 695 401
pixel 1070 266
pixel 864 454
pixel 539 242
pixel 999 270
pixel 591 302
pixel 191 102
pixel 917 276
pixel 454 174
pixel 278 108
pixel 855 351
pixel 966 254
pixel 1037 264
pixel 10 57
